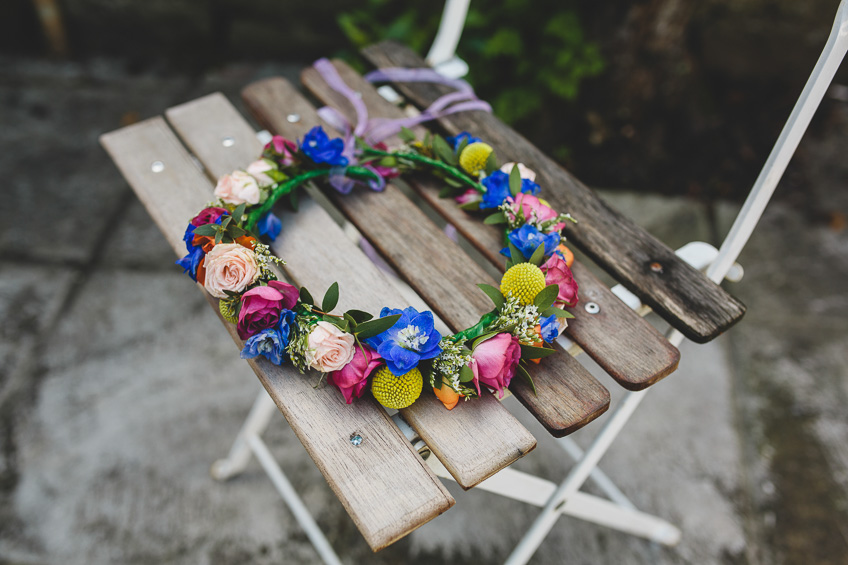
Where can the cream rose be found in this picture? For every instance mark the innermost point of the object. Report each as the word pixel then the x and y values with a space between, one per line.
pixel 237 188
pixel 257 170
pixel 330 349
pixel 523 171
pixel 229 266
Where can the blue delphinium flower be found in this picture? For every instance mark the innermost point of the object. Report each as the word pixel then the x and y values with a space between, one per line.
pixel 549 328
pixel 188 236
pixel 497 189
pixel 190 262
pixel 284 325
pixel 321 149
pixel 410 340
pixel 457 139
pixel 527 238
pixel 269 225
pixel 269 343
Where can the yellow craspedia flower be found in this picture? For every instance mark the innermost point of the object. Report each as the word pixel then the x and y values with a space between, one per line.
pixel 474 156
pixel 228 310
pixel 524 281
pixel 396 392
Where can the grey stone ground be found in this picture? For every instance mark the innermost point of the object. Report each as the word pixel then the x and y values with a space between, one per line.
pixel 118 388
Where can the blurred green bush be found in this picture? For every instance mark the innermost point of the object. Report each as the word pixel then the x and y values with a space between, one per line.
pixel 524 56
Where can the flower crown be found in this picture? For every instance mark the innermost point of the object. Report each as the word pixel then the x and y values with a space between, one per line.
pixel 399 350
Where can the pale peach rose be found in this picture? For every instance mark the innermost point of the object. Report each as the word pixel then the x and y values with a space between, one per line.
pixel 330 349
pixel 257 170
pixel 237 188
pixel 525 172
pixel 229 266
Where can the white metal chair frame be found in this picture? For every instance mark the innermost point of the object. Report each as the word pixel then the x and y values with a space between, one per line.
pixel 566 498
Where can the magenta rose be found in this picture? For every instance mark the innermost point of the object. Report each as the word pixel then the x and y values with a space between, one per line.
pixel 531 207
pixel 352 379
pixel 208 216
pixel 289 292
pixel 468 197
pixel 497 359
pixel 557 272
pixel 284 150
pixel 260 310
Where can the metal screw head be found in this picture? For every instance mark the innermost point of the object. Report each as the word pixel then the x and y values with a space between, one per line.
pixel 355 439
pixel 293 118
pixel 157 166
pixel 592 307
pixel 228 141
pixel 656 267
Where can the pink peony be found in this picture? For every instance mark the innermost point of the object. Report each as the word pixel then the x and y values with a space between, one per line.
pixel 290 293
pixel 208 216
pixel 523 171
pixel 557 272
pixel 229 266
pixel 496 360
pixel 284 148
pixel 352 379
pixel 260 310
pixel 257 170
pixel 530 205
pixel 330 348
pixel 237 188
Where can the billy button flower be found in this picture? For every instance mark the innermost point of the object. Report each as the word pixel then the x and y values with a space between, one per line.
pixel 474 157
pixel 396 391
pixel 523 281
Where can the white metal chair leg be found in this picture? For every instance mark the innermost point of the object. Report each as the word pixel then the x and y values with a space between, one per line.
pixel 257 421
pixel 600 478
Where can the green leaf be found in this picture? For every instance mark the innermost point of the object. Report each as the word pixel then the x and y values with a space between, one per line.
pixel 231 293
pixel 491 163
pixel 443 151
pixel 514 181
pixel 206 229
pixel 470 206
pixel 545 298
pixel 331 298
pixel 496 218
pixel 350 320
pixel 305 297
pixel 515 254
pixel 446 192
pixel 466 374
pixel 526 376
pixel 406 135
pixel 558 312
pixel 483 338
pixel 236 231
pixel 226 221
pixel 462 145
pixel 539 255
pixel 531 352
pixel 239 212
pixel 374 327
pixel 219 235
pixel 453 182
pixel 493 293
pixel 359 316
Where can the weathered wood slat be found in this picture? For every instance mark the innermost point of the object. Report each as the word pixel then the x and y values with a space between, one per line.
pixel 630 349
pixel 385 486
pixel 476 439
pixel 572 396
pixel 685 298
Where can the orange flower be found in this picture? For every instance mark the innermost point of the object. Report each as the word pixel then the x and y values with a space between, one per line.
pixel 205 241
pixel 246 241
pixel 447 395
pixel 201 271
pixel 566 252
pixel 539 343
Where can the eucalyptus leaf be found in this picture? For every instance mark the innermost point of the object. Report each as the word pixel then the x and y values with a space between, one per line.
pixel 466 374
pixel 351 322
pixel 515 254
pixel 453 182
pixel 558 312
pixel 462 145
pixel 491 163
pixel 305 297
pixel 225 221
pixel 496 218
pixel 219 235
pixel 538 256
pixel 514 181
pixel 546 297
pixel 406 135
pixel 526 376
pixel 493 293
pixel 239 212
pixel 236 231
pixel 206 229
pixel 443 151
pixel 530 352
pixel 374 327
pixel 359 316
pixel 331 298
pixel 470 206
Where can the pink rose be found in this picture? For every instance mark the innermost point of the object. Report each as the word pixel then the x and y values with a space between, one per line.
pixel 208 216
pixel 260 310
pixel 352 379
pixel 557 272
pixel 285 150
pixel 496 360
pixel 523 171
pixel 237 188
pixel 531 207
pixel 290 293
pixel 330 348
pixel 468 196
pixel 229 266
pixel 257 170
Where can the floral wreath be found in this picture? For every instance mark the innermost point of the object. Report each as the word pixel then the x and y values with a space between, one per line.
pixel 398 351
